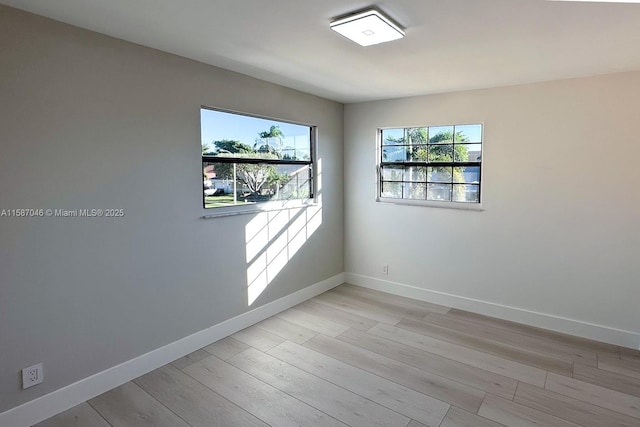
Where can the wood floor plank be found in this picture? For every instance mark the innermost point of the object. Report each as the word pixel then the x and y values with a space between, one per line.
pixel 569 409
pixel 341 404
pixel 439 365
pixel 82 415
pixel 425 382
pixel 226 348
pixel 287 330
pixel 262 400
pixel 594 394
pixel 337 315
pixel 311 321
pixel 584 343
pixel 130 406
pixel 355 307
pixel 417 406
pixel 189 359
pixel 489 362
pixel 382 304
pixel 513 414
pixel 387 297
pixel 611 380
pixel 630 354
pixel 460 418
pixel 193 402
pixel 258 338
pixel 486 345
pixel 368 358
pixel 624 367
pixel 524 342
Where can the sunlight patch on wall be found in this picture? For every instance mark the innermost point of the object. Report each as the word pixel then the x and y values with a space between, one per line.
pixel 278 237
pixel 272 240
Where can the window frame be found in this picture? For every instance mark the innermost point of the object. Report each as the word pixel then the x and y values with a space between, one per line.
pixel 269 205
pixel 426 164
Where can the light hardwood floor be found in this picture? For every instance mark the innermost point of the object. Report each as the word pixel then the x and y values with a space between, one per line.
pixel 356 357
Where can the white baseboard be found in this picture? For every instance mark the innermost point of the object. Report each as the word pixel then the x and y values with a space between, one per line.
pixel 44 407
pixel 532 318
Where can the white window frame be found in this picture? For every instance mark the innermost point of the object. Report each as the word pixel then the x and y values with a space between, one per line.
pixel 271 205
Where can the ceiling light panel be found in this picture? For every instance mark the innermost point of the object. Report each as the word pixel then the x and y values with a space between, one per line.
pixel 368 28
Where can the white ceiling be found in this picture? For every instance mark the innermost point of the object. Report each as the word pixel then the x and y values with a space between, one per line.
pixel 450 45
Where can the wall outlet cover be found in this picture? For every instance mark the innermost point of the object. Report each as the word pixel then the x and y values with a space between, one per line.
pixel 32 375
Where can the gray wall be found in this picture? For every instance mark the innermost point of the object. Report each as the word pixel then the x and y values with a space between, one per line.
pixel 88 121
pixel 559 234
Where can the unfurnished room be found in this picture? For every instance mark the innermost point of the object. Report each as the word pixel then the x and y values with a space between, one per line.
pixel 319 213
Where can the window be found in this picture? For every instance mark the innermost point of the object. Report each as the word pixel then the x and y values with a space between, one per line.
pixel 431 164
pixel 249 160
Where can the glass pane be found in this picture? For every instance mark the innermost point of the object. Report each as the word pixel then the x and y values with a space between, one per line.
pixel 441 192
pixel 469 174
pixel 468 133
pixel 289 155
pixel 415 191
pixel 440 134
pixel 394 153
pixel 269 145
pixel 392 136
pixel 439 174
pixel 301 154
pixel 218 185
pixel 253 183
pixel 415 173
pixel 441 153
pixel 466 193
pixel 299 142
pixel 392 190
pixel 417 153
pixel 295 151
pixel 235 135
pixel 390 173
pixel 468 153
pixel 416 136
pixel 288 182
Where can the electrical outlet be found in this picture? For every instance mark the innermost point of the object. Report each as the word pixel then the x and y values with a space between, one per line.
pixel 32 375
pixel 385 268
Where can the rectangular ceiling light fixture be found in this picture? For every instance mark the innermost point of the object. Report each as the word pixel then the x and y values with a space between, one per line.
pixel 367 28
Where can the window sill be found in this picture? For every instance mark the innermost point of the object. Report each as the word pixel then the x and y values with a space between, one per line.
pixel 432 204
pixel 257 208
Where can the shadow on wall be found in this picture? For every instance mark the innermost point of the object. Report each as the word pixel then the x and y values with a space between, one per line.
pixel 273 238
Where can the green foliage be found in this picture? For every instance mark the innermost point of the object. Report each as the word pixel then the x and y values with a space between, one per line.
pixel 443 138
pixel 266 138
pixel 229 146
pixel 206 149
pixel 273 132
pixel 253 175
pixel 274 179
pixel 439 148
pixel 416 136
